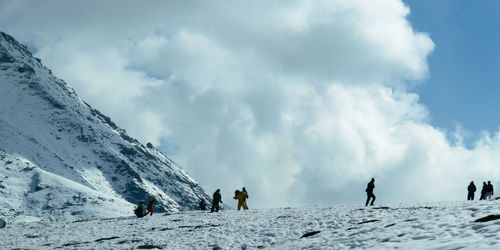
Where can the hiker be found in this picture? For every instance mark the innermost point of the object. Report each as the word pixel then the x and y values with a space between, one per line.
pixel 369 192
pixel 242 198
pixel 151 207
pixel 215 201
pixel 472 189
pixel 483 191
pixel 139 211
pixel 489 192
pixel 203 205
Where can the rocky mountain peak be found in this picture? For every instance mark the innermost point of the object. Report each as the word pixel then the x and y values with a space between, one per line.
pixel 69 143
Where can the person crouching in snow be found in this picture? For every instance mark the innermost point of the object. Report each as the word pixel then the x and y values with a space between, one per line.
pixel 139 211
pixel 242 198
pixel 151 207
pixel 203 205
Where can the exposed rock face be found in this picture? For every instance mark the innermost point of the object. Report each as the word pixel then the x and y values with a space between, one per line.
pixel 72 147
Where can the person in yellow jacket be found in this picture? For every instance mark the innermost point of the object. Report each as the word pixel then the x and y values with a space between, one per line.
pixel 242 197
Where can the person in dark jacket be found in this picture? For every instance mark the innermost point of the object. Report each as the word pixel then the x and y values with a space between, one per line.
pixel 217 198
pixel 369 192
pixel 489 193
pixel 472 189
pixel 151 207
pixel 483 191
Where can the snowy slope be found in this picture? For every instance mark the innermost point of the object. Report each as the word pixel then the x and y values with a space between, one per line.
pixel 32 193
pixel 44 122
pixel 421 226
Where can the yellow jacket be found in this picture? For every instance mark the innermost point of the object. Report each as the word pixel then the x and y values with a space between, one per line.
pixel 242 196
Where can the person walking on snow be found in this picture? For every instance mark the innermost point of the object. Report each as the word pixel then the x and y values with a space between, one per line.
pixel 472 189
pixel 151 207
pixel 242 197
pixel 369 192
pixel 215 201
pixel 489 192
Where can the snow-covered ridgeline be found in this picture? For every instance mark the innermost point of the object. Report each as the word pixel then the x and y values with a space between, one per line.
pixel 44 122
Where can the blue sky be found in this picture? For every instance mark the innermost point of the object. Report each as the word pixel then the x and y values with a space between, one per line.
pixel 464 66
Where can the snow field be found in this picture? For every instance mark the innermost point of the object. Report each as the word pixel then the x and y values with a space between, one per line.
pixel 447 225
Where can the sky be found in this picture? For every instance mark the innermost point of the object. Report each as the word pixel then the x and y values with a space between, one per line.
pixel 463 82
pixel 301 102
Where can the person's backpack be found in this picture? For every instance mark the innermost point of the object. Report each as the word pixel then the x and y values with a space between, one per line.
pixel 236 194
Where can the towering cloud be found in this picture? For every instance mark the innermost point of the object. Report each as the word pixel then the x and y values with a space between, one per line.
pixel 301 102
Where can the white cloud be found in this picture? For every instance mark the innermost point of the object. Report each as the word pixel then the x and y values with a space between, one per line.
pixel 300 101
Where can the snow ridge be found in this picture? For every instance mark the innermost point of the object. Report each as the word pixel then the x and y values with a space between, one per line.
pixel 74 150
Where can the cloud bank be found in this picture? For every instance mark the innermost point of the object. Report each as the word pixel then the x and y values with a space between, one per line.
pixel 301 102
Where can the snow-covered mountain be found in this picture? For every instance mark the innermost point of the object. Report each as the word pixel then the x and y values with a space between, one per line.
pixel 59 157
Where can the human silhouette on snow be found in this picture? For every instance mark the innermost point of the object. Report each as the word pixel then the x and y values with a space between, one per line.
pixel 217 198
pixel 471 190
pixel 489 190
pixel 242 197
pixel 483 191
pixel 369 192
pixel 151 207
